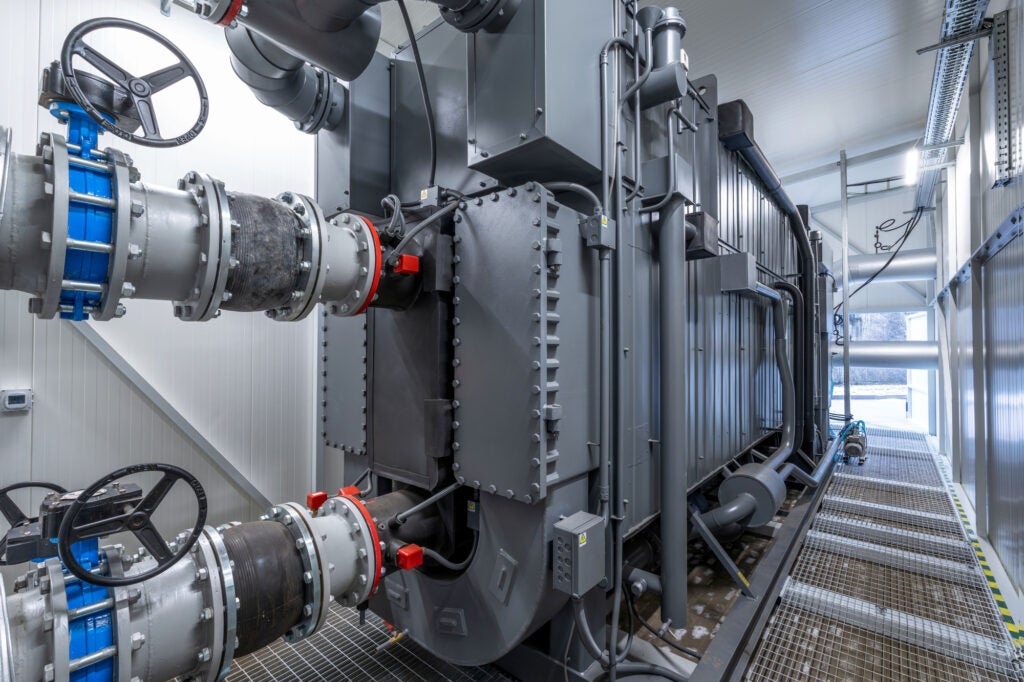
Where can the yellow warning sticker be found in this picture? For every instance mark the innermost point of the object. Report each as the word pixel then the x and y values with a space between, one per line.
pixel 583 539
pixel 423 194
pixel 471 505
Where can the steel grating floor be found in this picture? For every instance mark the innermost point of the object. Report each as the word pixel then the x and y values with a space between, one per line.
pixel 344 650
pixel 888 584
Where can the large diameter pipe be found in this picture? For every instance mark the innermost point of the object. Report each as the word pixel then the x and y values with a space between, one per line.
pixel 674 458
pixel 890 354
pixel 907 266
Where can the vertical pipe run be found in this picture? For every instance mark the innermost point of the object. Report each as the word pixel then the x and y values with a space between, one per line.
pixel 845 210
pixel 673 361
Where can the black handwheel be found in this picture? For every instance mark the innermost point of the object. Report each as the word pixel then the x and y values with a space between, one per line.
pixel 136 520
pixel 140 89
pixel 12 512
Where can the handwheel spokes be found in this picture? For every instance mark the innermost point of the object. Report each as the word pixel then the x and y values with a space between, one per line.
pixel 107 67
pixel 166 77
pixel 151 539
pixel 155 496
pixel 11 512
pixel 95 529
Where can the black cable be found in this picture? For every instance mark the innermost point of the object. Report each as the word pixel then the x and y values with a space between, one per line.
pixel 896 247
pixel 423 91
pixel 636 614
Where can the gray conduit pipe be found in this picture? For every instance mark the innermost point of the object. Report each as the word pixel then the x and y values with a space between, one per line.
pixel 673 366
pixel 308 97
pixel 785 448
pixel 736 132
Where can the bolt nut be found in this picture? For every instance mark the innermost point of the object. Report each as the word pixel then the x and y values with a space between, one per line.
pixel 128 289
pixel 204 655
pixel 138 639
pixel 206 614
pixel 202 574
pixel 134 251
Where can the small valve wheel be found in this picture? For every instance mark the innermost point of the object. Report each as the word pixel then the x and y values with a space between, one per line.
pixel 136 520
pixel 139 88
pixel 13 514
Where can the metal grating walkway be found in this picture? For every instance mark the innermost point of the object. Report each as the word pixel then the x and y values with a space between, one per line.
pixel 888 584
pixel 344 650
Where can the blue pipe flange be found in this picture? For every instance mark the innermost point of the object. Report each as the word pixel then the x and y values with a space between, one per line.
pixel 117 287
pixel 211 279
pixel 307 292
pixel 91 217
pixel 230 626
pixel 316 587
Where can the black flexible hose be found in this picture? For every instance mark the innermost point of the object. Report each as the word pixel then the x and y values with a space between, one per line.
pixel 431 131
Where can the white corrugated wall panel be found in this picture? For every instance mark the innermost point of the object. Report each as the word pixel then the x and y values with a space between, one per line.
pixel 245 383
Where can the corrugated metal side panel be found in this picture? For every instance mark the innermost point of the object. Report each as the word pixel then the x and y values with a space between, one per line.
pixel 965 342
pixel 734 386
pixel 1004 359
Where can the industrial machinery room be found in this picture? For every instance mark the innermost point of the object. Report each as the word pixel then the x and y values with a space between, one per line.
pixel 511 340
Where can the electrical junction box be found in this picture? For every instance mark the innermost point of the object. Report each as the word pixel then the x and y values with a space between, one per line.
pixel 578 557
pixel 16 400
pixel 737 272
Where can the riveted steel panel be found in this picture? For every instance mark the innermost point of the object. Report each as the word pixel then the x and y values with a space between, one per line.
pixel 525 359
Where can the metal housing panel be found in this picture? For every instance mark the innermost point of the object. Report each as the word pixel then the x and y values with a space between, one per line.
pixel 443 51
pixel 525 89
pixel 525 366
pixel 1004 359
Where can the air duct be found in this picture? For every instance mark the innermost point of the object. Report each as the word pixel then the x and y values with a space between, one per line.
pixel 918 265
pixel 890 354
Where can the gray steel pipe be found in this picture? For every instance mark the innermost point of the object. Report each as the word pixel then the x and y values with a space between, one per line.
pixel 907 266
pixel 673 366
pixel 307 96
pixel 890 354
pixel 788 441
pixel 821 471
pixel 736 130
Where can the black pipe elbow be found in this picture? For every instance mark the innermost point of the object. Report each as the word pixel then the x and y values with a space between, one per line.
pixel 308 96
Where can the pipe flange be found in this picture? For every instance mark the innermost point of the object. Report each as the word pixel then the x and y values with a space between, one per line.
pixel 215 252
pixel 306 292
pixel 230 601
pixel 369 260
pixel 369 559
pixel 54 151
pixel 5 167
pixel 212 617
pixel 111 307
pixel 316 592
pixel 487 16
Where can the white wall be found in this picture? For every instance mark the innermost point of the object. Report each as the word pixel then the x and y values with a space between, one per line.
pixel 245 383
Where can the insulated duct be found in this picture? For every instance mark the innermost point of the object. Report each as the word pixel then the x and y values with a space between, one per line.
pixel 917 265
pixel 890 354
pixel 736 130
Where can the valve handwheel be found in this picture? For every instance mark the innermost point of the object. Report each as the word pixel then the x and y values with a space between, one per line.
pixel 136 520
pixel 139 88
pixel 12 513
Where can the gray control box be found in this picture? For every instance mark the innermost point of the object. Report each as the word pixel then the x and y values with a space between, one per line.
pixel 578 556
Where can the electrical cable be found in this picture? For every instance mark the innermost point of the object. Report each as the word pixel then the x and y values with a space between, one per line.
pixel 448 563
pixel 678 647
pixel 429 110
pixel 894 249
pixel 424 224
